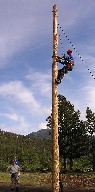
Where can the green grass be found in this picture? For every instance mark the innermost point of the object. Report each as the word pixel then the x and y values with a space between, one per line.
pixel 4 177
pixel 37 179
pixel 33 179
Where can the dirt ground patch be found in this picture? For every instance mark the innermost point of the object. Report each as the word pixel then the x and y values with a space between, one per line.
pixel 22 188
pixel 77 182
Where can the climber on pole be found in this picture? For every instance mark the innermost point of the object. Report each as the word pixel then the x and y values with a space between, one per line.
pixel 68 62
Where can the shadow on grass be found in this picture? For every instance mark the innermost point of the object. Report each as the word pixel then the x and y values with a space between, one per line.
pixel 78 190
pixel 6 188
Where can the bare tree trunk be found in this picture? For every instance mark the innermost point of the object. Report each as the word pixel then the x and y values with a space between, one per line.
pixel 93 152
pixel 71 164
pixel 64 163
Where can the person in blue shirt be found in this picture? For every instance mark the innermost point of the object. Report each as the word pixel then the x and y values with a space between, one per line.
pixel 68 62
pixel 16 161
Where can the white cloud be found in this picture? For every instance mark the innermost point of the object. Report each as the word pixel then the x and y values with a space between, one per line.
pixel 20 121
pixel 16 129
pixel 84 97
pixel 20 25
pixel 25 25
pixel 42 126
pixel 2 127
pixel 41 82
pixel 17 91
pixel 76 13
pixel 17 124
pixel 46 110
pixel 89 90
pixel 13 116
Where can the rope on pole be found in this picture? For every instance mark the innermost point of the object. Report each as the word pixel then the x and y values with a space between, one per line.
pixel 75 50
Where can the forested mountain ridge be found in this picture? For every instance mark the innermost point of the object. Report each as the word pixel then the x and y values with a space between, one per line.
pixel 28 150
pixel 76 140
pixel 43 133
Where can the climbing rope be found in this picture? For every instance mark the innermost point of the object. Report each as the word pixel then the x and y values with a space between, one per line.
pixel 61 42
pixel 75 50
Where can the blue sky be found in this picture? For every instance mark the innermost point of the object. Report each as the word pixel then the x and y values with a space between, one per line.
pixel 26 33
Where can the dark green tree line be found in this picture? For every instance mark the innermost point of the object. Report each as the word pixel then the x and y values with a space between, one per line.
pixel 33 153
pixel 73 137
pixel 90 125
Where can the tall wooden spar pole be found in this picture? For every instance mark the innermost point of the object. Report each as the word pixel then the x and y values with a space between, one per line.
pixel 55 146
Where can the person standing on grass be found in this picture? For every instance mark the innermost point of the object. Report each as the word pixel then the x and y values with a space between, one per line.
pixel 14 170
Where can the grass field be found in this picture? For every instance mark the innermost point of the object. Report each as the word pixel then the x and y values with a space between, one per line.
pixel 33 179
pixel 42 182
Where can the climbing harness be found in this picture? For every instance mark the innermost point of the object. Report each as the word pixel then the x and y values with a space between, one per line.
pixel 75 50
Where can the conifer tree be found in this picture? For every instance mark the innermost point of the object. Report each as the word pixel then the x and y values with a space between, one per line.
pixel 72 133
pixel 90 125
